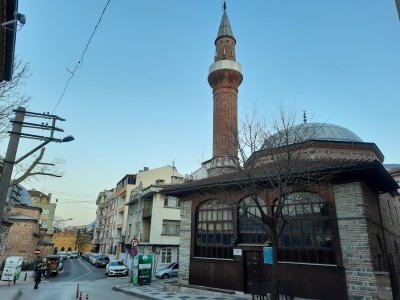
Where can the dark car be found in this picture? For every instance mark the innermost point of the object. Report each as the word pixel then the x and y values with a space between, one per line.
pixel 101 262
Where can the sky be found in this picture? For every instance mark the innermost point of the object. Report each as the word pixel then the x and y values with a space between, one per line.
pixel 140 97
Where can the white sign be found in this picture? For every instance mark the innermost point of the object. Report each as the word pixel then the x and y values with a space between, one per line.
pixel 237 252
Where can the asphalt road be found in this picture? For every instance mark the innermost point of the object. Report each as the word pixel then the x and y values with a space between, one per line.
pixel 92 281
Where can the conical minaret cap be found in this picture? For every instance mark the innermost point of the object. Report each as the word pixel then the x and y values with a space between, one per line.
pixel 225 29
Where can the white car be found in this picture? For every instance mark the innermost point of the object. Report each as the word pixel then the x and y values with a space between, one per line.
pixel 63 255
pixel 116 267
pixel 74 254
pixel 93 257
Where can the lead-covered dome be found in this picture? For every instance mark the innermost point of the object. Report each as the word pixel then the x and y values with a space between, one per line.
pixel 311 131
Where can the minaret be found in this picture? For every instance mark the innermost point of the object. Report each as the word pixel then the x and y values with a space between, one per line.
pixel 225 76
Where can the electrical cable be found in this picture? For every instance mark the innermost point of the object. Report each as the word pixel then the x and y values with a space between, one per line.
pixel 80 62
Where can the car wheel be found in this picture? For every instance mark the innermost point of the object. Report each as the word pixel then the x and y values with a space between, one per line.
pixel 165 276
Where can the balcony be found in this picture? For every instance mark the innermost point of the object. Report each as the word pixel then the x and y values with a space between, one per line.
pixel 119 226
pixel 147 210
pixel 121 209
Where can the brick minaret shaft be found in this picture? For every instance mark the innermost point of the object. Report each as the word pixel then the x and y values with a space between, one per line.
pixel 225 76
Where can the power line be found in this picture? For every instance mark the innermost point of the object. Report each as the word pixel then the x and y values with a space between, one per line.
pixel 73 194
pixel 80 62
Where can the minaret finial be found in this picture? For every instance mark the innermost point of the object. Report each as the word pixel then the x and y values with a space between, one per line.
pixel 224 5
pixel 304 117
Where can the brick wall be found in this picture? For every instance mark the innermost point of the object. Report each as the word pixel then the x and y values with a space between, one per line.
pixel 354 240
pixel 185 241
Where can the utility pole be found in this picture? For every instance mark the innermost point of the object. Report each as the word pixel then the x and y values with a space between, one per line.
pixel 15 135
pixel 10 158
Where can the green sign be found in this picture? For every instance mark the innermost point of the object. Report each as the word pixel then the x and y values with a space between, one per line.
pixel 144 269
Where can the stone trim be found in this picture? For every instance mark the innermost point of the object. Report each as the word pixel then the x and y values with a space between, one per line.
pixel 185 241
pixel 354 242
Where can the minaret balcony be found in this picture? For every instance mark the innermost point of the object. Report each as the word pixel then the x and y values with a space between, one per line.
pixel 225 64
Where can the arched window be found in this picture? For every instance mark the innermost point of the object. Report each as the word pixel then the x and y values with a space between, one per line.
pixel 307 235
pixel 214 230
pixel 252 230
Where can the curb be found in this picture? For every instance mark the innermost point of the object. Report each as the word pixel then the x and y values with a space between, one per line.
pixel 132 293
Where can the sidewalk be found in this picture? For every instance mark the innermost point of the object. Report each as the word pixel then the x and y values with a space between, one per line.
pixel 12 292
pixel 159 289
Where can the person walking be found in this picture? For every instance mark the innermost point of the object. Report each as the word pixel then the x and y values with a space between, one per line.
pixel 37 276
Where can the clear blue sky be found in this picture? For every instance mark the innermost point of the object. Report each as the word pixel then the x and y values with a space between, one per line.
pixel 141 97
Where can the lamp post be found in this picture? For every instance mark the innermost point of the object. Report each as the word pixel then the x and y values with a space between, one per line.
pixel 15 134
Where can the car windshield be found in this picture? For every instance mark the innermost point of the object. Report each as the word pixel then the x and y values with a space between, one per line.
pixel 117 263
pixel 170 266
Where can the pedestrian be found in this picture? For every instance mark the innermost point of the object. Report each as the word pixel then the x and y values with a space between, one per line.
pixel 48 270
pixel 37 273
pixel 15 278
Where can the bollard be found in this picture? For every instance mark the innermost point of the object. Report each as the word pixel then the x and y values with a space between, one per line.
pixel 25 276
pixel 77 291
pixel 80 295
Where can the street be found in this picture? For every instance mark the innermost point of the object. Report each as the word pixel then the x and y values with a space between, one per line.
pixel 92 281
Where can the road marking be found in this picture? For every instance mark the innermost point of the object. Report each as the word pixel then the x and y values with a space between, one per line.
pixel 89 271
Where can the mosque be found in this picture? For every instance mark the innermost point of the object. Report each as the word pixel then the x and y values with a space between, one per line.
pixel 341 239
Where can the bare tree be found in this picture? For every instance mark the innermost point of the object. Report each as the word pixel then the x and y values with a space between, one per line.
pixel 272 164
pixel 11 95
pixel 36 168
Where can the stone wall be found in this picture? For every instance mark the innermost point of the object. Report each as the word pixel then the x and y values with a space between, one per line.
pixel 185 241
pixel 353 233
pixel 23 239
pixel 4 230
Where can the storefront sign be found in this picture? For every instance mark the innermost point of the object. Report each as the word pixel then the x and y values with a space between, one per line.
pixel 237 252
pixel 268 255
pixel 144 269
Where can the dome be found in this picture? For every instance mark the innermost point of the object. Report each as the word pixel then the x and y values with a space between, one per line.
pixel 311 131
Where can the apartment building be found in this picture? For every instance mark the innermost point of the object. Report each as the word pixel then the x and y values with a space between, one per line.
pixel 154 219
pixel 99 231
pixel 43 201
pixel 114 239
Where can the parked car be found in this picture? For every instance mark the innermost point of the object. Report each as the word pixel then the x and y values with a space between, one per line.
pixel 63 255
pixel 170 271
pixel 85 255
pixel 74 254
pixel 116 267
pixel 101 262
pixel 93 258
